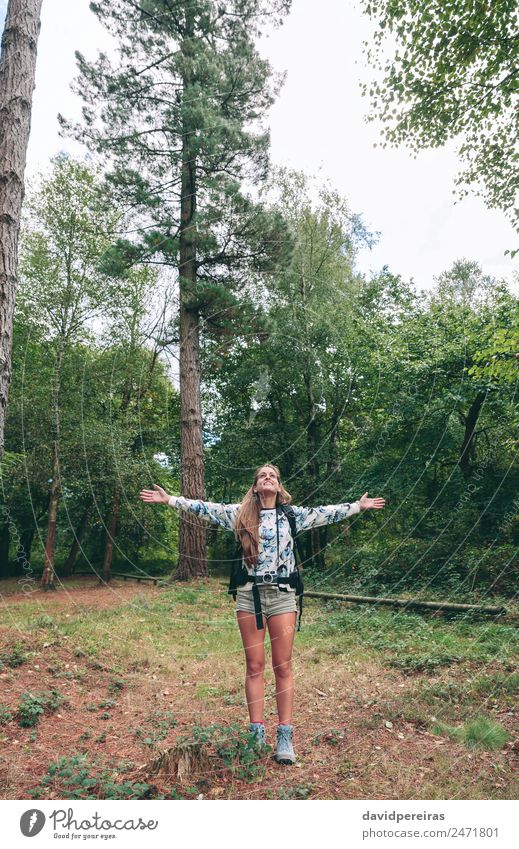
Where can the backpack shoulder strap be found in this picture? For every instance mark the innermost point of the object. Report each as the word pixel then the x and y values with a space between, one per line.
pixel 237 572
pixel 291 516
pixel 289 513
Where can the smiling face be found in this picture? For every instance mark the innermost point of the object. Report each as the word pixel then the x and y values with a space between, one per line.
pixel 267 482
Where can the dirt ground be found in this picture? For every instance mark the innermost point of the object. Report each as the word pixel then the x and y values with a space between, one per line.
pixel 351 740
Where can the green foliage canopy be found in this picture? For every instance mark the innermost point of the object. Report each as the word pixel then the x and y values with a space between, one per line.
pixel 454 73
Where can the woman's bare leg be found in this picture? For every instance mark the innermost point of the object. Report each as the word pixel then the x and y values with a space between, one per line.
pixel 253 643
pixel 281 629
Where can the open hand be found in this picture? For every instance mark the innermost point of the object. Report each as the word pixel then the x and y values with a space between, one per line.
pixel 158 497
pixel 371 503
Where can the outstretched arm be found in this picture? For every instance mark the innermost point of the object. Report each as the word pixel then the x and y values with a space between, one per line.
pixel 312 517
pixel 221 514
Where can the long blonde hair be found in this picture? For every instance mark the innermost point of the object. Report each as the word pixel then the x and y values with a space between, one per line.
pixel 246 528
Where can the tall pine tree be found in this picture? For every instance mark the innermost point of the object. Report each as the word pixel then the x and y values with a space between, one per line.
pixel 17 74
pixel 179 119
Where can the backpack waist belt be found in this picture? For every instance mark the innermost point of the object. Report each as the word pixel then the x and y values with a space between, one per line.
pixel 292 580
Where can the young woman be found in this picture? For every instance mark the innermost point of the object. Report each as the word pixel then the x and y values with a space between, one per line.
pixel 268 553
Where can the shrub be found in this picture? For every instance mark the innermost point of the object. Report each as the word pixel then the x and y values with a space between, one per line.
pixel 33 705
pixel 15 657
pixel 5 715
pixel 72 778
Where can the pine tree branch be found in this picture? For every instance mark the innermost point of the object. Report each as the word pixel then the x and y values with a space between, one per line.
pixel 157 63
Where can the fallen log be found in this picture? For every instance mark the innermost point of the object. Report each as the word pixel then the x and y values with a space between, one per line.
pixel 125 576
pixel 411 602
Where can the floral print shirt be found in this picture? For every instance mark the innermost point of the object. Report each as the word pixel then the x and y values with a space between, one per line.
pixel 306 517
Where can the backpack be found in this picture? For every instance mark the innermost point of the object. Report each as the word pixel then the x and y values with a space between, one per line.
pixel 240 576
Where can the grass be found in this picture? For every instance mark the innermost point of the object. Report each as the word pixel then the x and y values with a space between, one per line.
pixel 478 733
pixel 130 629
pixel 298 791
pixel 461 671
pixel 157 728
pixel 497 686
pixel 204 692
pixel 412 641
pixel 172 619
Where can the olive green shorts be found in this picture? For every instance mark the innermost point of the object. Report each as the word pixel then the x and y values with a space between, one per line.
pixel 273 600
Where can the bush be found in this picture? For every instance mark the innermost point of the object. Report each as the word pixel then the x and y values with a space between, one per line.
pixel 431 566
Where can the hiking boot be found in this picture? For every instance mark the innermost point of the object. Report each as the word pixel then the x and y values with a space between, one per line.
pixel 285 751
pixel 258 730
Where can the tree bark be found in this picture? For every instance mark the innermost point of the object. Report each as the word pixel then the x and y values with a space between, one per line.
pixel 192 539
pixel 116 498
pixel 17 74
pixel 47 578
pixel 110 535
pixel 470 421
pixel 5 537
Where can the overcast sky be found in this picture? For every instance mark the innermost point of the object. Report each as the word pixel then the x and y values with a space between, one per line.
pixel 317 125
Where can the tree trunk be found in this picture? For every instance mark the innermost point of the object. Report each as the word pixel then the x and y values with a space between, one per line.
pixel 17 72
pixel 470 425
pixel 47 578
pixel 192 540
pixel 323 542
pixel 142 537
pixel 5 537
pixel 110 535
pixel 70 562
